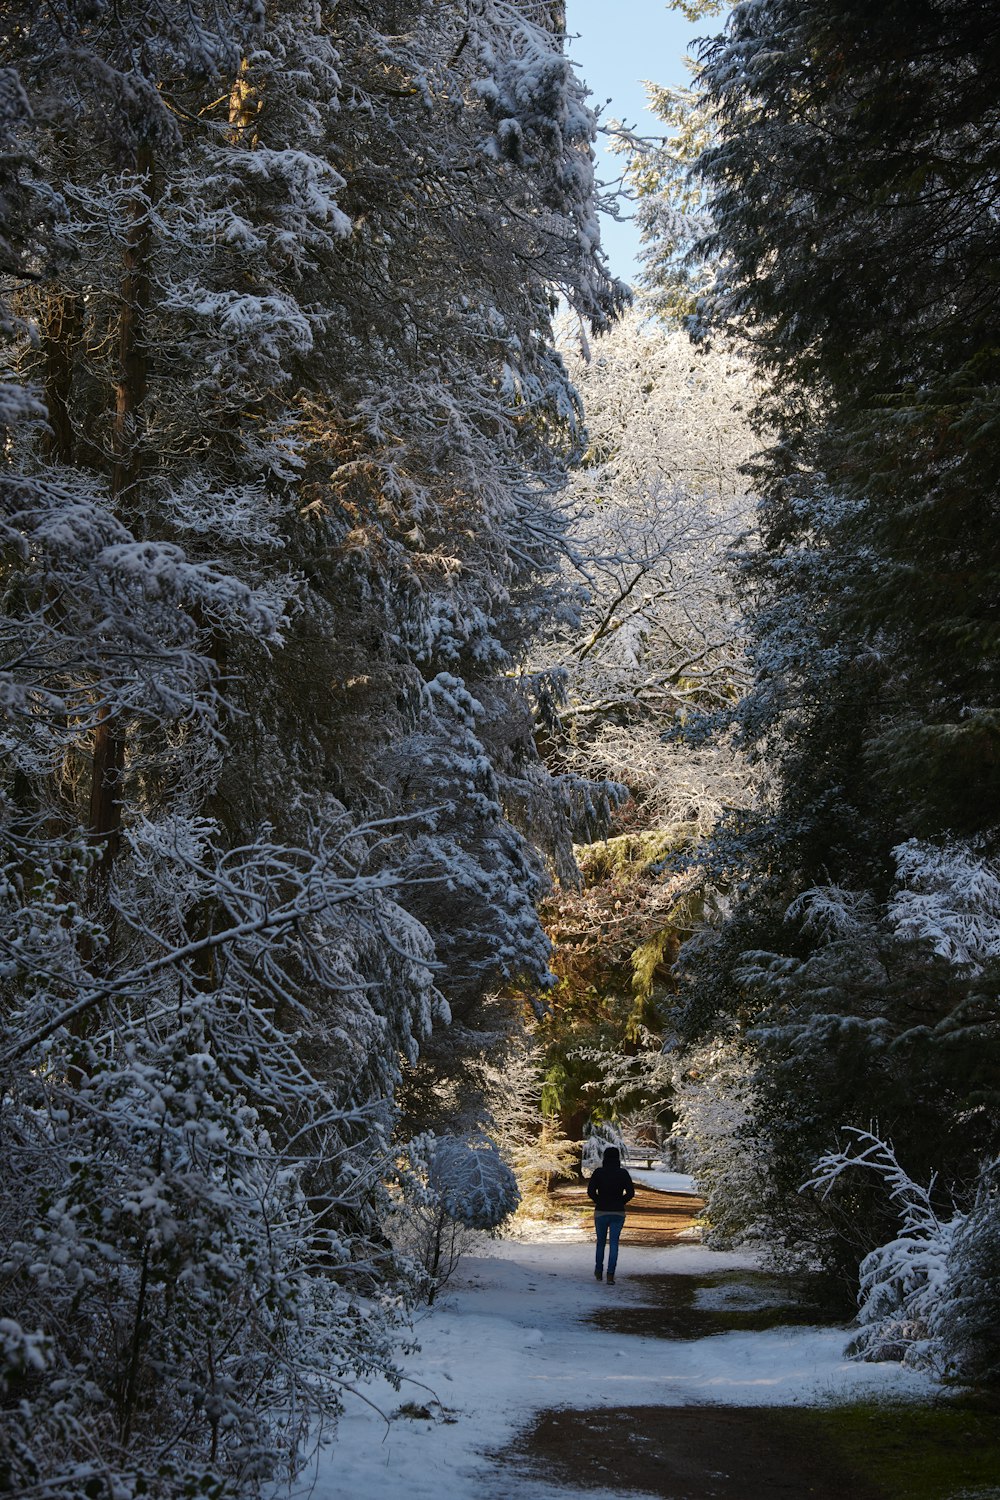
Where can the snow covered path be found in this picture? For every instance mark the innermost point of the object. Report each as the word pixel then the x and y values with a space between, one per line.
pixel 508 1340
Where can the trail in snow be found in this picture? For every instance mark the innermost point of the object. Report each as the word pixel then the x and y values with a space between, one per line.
pixel 506 1341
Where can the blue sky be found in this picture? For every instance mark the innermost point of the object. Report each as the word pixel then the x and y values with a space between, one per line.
pixel 619 43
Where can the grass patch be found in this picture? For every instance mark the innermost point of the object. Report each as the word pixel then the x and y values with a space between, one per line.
pixel 914 1450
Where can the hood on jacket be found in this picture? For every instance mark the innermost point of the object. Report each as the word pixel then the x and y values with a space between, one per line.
pixel 611 1157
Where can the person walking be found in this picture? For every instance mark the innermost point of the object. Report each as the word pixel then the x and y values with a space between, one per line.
pixel 609 1189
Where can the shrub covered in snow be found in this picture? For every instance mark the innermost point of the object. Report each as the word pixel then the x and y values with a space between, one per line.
pixel 930 1297
pixel 969 1319
pixel 449 1189
pixel 714 1099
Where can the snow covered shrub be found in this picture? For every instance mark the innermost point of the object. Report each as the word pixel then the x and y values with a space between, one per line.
pixel 450 1188
pixel 931 1296
pixel 531 1143
pixel 969 1320
pixel 596 1141
pixel 190 1253
pixel 902 1283
pixel 714 1101
pixel 193 1303
pixel 866 1012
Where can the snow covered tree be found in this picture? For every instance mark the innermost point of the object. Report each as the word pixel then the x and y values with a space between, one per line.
pixel 537 1151
pixel 284 427
pixel 854 259
pixel 843 185
pixel 849 187
pixel 656 502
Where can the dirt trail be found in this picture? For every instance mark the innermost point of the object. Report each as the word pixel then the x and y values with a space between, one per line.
pixel 653 1218
pixel 689 1452
pixel 699 1376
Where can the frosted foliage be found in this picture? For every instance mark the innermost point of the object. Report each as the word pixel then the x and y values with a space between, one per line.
pixel 474 1183
pixel 696 786
pixel 170 1212
pixel 124 640
pixel 531 1144
pixel 834 914
pixel 927 1297
pixel 450 1187
pixel 244 339
pixel 714 1102
pixel 656 507
pixel 285 430
pixel 245 516
pixel 657 407
pixel 158 1159
pixel 483 876
pixel 640 1072
pixel 334 927
pixel 597 1141
pixel 949 899
pixel 539 113
pixel 969 1320
pixel 947 902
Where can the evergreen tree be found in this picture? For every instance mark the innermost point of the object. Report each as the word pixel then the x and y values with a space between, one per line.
pixel 852 187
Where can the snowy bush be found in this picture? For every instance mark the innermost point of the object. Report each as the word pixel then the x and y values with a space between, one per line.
pixel 471 1182
pixel 929 1297
pixel 714 1103
pixel 533 1144
pixel 189 1235
pixel 597 1140
pixel 969 1320
pixel 450 1189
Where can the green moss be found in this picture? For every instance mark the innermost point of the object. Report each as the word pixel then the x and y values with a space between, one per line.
pixel 650 958
pixel 631 852
pixel 918 1450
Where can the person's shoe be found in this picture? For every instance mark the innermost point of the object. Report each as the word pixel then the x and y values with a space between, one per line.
pixel 599 1274
pixel 611 1279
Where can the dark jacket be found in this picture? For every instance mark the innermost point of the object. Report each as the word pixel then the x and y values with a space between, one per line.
pixel 610 1187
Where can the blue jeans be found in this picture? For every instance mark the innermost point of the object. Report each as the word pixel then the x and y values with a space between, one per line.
pixel 608 1225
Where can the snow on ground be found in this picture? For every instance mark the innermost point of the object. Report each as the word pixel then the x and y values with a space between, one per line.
pixel 666 1182
pixel 506 1340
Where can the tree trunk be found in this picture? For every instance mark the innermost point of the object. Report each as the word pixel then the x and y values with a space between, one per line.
pixel 63 325
pixel 245 104
pixel 128 453
pixel 105 794
pixel 130 388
